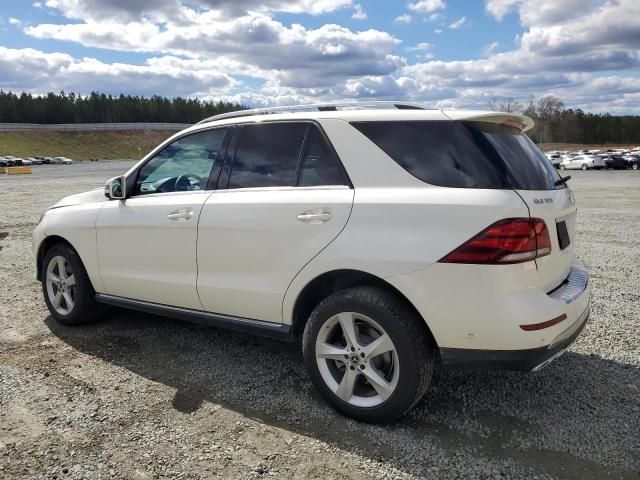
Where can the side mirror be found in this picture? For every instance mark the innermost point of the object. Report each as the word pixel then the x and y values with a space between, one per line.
pixel 116 188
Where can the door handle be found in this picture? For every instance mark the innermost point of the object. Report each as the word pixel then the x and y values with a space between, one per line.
pixel 181 214
pixel 315 216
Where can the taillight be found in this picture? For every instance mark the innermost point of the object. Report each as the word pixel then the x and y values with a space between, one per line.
pixel 512 240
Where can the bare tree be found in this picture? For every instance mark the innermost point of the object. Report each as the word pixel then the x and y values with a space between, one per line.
pixel 548 108
pixel 508 105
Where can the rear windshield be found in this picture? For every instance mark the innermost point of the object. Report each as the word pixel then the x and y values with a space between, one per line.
pixel 464 154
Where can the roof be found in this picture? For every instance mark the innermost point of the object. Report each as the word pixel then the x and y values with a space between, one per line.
pixel 363 111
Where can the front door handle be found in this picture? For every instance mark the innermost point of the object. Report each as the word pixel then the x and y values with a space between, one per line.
pixel 181 214
pixel 315 216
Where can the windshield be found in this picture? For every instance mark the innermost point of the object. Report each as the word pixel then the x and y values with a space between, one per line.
pixel 464 154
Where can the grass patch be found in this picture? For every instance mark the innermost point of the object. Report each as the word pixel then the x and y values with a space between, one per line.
pixel 103 145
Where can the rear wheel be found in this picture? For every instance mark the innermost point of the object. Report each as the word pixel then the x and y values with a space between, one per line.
pixel 562 167
pixel 368 354
pixel 584 167
pixel 634 166
pixel 66 287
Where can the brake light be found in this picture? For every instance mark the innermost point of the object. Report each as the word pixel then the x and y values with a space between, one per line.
pixel 512 240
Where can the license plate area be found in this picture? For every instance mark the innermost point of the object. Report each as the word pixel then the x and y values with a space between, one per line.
pixel 563 235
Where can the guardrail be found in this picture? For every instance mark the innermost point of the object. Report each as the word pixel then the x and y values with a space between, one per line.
pixel 77 127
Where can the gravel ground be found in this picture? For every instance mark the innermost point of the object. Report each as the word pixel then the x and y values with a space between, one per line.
pixel 141 397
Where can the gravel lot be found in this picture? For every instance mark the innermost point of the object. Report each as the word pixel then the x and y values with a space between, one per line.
pixel 141 397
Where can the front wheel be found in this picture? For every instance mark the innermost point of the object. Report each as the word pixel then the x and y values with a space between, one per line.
pixel 67 289
pixel 368 354
pixel 634 166
pixel 562 167
pixel 584 167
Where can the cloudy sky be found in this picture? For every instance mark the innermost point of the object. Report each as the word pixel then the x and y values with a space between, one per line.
pixel 447 53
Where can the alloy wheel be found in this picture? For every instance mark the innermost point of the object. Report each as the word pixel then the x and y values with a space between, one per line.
pixel 61 285
pixel 357 359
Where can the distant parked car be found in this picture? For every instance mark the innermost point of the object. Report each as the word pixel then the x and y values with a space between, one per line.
pixel 26 162
pixel 633 161
pixel 555 159
pixel 582 162
pixel 614 161
pixel 44 160
pixel 61 160
pixel 13 161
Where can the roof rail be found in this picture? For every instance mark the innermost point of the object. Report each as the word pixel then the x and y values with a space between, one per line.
pixel 320 107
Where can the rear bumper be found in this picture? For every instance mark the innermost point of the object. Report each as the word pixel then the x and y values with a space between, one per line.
pixel 497 318
pixel 530 359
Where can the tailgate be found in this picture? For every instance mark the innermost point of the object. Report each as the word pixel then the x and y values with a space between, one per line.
pixel 558 210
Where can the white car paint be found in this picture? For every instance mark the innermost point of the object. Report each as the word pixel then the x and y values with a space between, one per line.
pixel 61 160
pixel 244 253
pixel 582 162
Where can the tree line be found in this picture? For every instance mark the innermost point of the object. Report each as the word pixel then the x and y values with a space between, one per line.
pixel 100 108
pixel 554 122
pixel 557 124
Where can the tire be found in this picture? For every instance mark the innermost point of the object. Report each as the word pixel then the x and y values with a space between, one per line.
pixel 634 166
pixel 584 167
pixel 406 369
pixel 562 167
pixel 76 303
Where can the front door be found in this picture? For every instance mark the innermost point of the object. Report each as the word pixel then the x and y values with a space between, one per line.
pixel 147 243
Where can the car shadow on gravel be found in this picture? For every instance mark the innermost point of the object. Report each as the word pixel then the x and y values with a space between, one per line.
pixel 577 418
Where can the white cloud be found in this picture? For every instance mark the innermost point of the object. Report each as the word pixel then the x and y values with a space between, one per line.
pixel 500 8
pixel 426 6
pixel 544 12
pixel 296 55
pixel 420 46
pixel 458 23
pixel 490 49
pixel 405 18
pixel 201 47
pixel 39 72
pixel 175 10
pixel 359 13
pixel 14 21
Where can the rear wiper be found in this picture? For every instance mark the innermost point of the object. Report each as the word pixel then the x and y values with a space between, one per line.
pixel 562 180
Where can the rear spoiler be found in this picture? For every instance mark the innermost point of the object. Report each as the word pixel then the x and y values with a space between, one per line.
pixel 516 120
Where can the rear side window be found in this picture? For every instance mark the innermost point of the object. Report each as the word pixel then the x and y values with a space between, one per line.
pixel 319 164
pixel 267 155
pixel 464 154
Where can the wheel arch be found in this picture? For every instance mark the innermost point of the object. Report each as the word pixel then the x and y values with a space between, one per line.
pixel 333 281
pixel 45 246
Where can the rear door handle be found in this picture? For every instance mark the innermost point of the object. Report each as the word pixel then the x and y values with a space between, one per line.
pixel 181 214
pixel 315 216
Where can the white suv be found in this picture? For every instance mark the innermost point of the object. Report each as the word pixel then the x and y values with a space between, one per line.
pixel 386 240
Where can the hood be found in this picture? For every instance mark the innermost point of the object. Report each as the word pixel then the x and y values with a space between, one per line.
pixel 91 196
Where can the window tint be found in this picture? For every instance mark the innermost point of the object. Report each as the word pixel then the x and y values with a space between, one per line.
pixel 319 164
pixel 183 165
pixel 267 155
pixel 464 154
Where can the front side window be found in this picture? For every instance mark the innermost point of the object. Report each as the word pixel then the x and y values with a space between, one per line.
pixel 184 165
pixel 267 155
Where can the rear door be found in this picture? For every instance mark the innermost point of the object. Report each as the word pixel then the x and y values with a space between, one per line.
pixel 282 197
